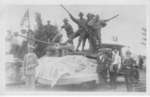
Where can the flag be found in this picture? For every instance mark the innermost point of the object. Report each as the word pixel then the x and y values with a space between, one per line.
pixel 25 18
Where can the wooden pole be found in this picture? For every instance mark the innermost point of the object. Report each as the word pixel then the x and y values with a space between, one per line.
pixel 29 41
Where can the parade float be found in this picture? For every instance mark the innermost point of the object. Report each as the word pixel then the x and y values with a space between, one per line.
pixel 66 66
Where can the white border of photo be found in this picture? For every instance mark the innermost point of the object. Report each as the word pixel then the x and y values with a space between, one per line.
pixel 5 3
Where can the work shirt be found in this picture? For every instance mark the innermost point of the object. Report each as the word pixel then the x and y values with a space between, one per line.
pixel 68 28
pixel 80 22
pixel 97 23
pixel 129 62
pixel 103 62
pixel 116 59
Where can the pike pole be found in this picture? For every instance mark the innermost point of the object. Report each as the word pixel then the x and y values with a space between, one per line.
pixel 65 9
pixel 112 18
pixel 29 38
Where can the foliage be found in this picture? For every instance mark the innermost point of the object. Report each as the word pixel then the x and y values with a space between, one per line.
pixel 44 33
pixel 16 49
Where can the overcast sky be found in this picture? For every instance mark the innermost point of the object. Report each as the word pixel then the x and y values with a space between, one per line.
pixel 127 26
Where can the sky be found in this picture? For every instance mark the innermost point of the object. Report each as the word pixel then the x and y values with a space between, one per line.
pixel 127 26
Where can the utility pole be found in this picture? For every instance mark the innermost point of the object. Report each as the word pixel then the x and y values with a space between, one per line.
pixel 26 20
pixel 144 35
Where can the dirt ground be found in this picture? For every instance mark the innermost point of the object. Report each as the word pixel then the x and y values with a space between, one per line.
pixel 140 87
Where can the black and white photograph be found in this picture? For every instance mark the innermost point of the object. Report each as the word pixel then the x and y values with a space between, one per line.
pixel 75 48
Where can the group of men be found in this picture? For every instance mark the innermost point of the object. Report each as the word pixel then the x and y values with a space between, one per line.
pixel 89 28
pixel 110 63
pixel 107 60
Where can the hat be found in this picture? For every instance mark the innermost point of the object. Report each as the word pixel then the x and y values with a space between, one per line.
pixel 65 20
pixel 48 21
pixel 128 52
pixel 90 15
pixel 115 50
pixel 80 14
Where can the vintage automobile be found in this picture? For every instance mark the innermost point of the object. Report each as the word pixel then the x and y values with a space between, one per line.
pixel 129 73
